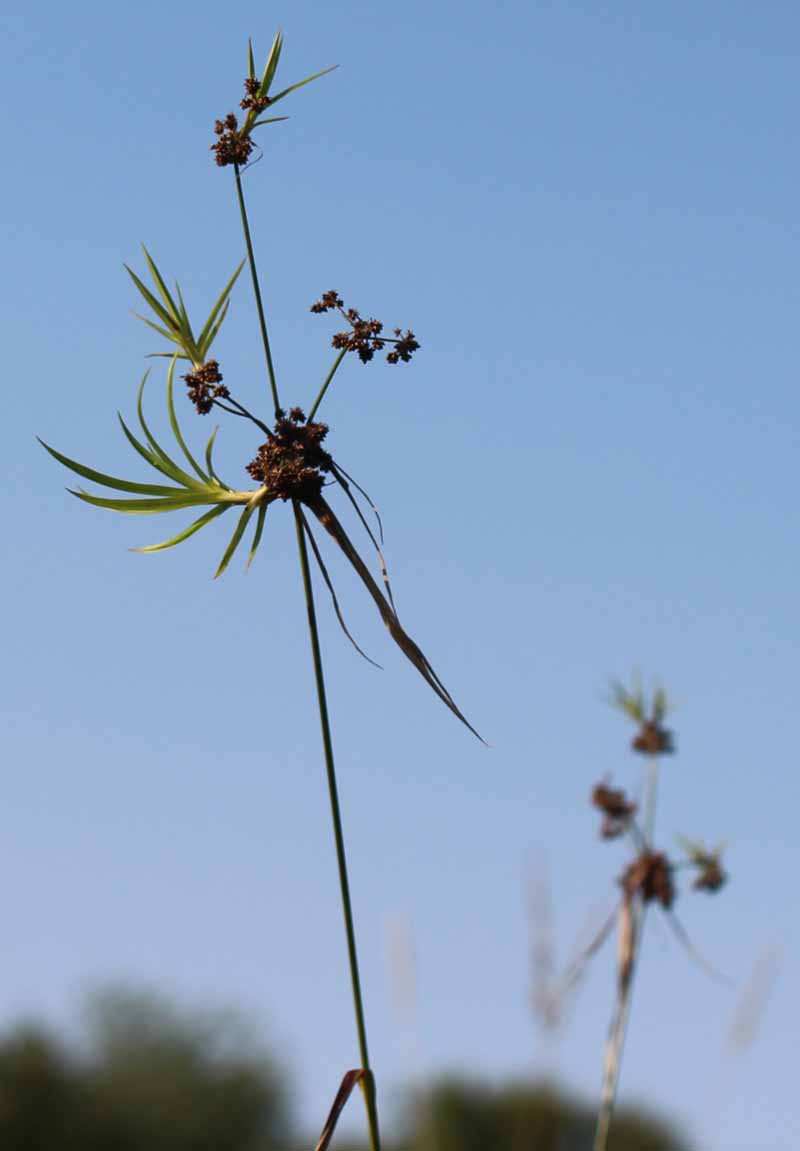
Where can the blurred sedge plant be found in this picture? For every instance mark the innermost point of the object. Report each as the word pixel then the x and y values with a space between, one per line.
pixel 648 878
pixel 290 465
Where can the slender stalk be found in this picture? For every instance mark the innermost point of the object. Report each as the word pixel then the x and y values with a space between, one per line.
pixel 240 410
pixel 368 1084
pixel 651 795
pixel 347 910
pixel 327 382
pixel 256 289
pixel 632 921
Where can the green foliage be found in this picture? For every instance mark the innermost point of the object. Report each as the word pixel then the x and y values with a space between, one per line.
pixel 461 1116
pixel 149 1079
pixel 173 320
pixel 41 1097
pixel 202 489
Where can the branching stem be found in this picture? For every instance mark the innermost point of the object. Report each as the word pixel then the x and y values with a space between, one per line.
pixel 327 382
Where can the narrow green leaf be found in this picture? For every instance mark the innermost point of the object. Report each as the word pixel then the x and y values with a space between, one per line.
pixel 272 62
pixel 235 538
pixel 213 333
pixel 185 534
pixel 301 83
pixel 209 463
pixel 158 279
pixel 269 120
pixel 186 327
pixel 410 649
pixel 110 481
pixel 221 303
pixel 161 331
pixel 166 463
pixel 329 584
pixel 262 515
pixel 176 430
pixel 251 64
pixel 138 446
pixel 145 506
pixel 162 313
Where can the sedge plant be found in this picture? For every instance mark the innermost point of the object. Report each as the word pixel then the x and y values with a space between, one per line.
pixel 291 466
pixel 649 877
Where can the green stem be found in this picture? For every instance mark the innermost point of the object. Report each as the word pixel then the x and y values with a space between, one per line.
pixel 327 382
pixel 369 1093
pixel 650 800
pixel 256 289
pixel 618 1030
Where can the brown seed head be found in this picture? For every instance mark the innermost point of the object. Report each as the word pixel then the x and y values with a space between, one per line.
pixel 232 147
pixel 205 385
pixel 711 876
pixel 653 739
pixel 650 875
pixel 365 337
pixel 292 463
pixel 617 810
pixel 252 99
pixel 327 301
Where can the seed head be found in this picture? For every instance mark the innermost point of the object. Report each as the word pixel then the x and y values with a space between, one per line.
pixel 653 739
pixel 252 98
pixel 617 810
pixel 232 147
pixel 709 873
pixel 365 337
pixel 650 875
pixel 292 463
pixel 205 385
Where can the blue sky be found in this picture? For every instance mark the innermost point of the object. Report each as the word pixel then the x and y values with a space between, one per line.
pixel 588 215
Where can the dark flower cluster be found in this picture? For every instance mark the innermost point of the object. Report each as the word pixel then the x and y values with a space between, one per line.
pixel 292 463
pixel 253 98
pixel 232 147
pixel 617 810
pixel 653 739
pixel 711 875
pixel 205 385
pixel 650 875
pixel 365 337
pixel 404 347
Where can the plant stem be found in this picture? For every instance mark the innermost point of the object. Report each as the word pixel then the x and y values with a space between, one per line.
pixel 256 289
pixel 369 1091
pixel 326 384
pixel 632 920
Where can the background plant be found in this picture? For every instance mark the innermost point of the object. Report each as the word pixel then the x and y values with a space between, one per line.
pixel 649 878
pixel 139 1073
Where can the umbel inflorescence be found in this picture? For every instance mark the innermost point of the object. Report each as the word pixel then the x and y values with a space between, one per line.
pixel 365 337
pixel 290 462
pixel 650 874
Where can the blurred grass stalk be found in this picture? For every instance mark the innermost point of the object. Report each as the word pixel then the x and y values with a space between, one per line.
pixel 632 918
